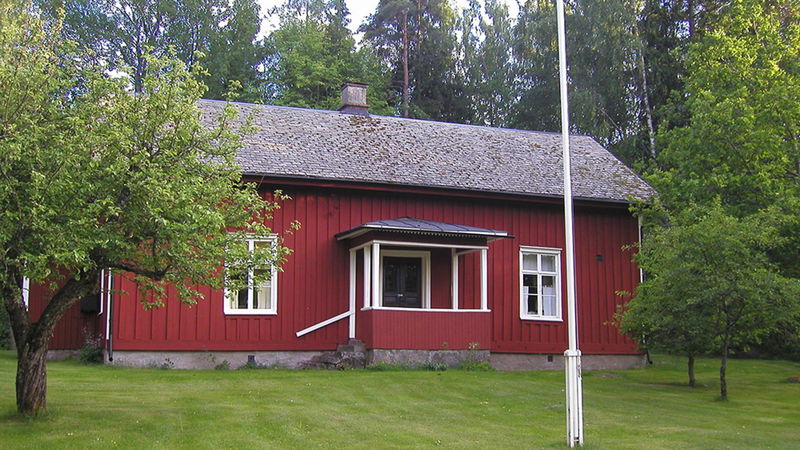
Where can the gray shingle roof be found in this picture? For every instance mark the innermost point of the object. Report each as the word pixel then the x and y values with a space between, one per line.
pixel 328 145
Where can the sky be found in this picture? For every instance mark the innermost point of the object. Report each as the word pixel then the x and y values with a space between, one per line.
pixel 360 9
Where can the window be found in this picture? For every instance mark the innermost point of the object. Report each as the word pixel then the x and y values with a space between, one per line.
pixel 260 299
pixel 540 283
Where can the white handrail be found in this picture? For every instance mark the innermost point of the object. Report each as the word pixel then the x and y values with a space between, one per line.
pixel 324 323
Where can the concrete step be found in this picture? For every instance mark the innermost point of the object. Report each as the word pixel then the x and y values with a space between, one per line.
pixel 352 346
pixel 337 360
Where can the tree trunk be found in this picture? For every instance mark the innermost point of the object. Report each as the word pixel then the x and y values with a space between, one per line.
pixel 690 367
pixel 723 382
pixel 645 98
pixel 31 380
pixel 405 64
pixel 33 338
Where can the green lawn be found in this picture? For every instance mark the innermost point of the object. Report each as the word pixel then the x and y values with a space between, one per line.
pixel 649 408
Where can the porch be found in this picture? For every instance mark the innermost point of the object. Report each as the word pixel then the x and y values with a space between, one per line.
pixel 418 285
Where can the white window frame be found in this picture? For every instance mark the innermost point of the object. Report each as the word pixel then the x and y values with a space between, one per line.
pixel 523 301
pixel 426 277
pixel 273 281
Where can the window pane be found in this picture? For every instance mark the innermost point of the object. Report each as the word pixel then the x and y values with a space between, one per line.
pixel 533 305
pixel 412 274
pixel 238 298
pixel 241 299
pixel 548 285
pixel 262 295
pixel 549 305
pixel 548 263
pixel 529 290
pixel 529 282
pixel 390 277
pixel 529 262
pixel 548 295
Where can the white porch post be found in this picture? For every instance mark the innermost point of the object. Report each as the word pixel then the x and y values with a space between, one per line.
pixel 352 294
pixel 454 268
pixel 376 282
pixel 367 277
pixel 484 281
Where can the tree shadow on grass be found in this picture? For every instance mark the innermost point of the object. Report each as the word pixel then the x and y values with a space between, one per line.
pixel 697 386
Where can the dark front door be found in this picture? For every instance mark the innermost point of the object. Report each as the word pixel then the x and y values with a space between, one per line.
pixel 402 282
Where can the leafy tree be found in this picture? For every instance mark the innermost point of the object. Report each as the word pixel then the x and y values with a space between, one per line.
pixel 313 53
pixel 387 31
pixel 416 41
pixel 742 141
pixel 123 32
pixel 235 53
pixel 484 55
pixel 710 287
pixel 94 177
pixel 602 46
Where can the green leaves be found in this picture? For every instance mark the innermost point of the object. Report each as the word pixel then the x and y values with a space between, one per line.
pixel 710 285
pixel 743 97
pixel 95 176
pixel 313 53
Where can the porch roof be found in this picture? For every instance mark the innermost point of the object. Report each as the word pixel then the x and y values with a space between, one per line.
pixel 423 227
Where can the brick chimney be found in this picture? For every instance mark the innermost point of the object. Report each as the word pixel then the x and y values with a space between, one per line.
pixel 354 98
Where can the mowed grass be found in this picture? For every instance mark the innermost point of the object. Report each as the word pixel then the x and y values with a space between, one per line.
pixel 100 406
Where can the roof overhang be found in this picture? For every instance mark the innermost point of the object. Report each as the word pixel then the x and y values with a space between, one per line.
pixel 423 227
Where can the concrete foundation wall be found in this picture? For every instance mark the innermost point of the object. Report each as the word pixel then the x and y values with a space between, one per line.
pixel 518 361
pixel 211 360
pixel 416 357
pixel 300 359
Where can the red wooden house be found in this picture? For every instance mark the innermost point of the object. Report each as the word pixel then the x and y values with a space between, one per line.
pixel 422 240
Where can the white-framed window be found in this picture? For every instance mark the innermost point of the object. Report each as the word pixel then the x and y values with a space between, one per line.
pixel 254 299
pixel 405 279
pixel 540 283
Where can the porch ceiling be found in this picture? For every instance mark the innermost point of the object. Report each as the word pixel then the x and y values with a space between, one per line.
pixel 423 227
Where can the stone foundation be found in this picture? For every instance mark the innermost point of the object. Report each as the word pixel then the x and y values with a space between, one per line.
pixel 307 359
pixel 211 360
pixel 416 357
pixel 521 361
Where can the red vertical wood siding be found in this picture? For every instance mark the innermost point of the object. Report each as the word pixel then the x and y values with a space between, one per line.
pixel 314 283
pixel 74 327
pixel 426 330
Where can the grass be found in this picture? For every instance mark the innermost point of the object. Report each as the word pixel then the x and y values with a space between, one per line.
pixel 101 406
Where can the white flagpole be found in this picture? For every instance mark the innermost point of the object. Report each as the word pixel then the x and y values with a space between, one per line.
pixel 572 356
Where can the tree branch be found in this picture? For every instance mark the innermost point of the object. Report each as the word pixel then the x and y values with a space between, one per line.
pixel 156 275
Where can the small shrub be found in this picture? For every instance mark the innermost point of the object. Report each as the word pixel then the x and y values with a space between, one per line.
pixel 433 366
pixel 166 365
pixel 251 364
pixel 476 366
pixel 224 365
pixel 92 350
